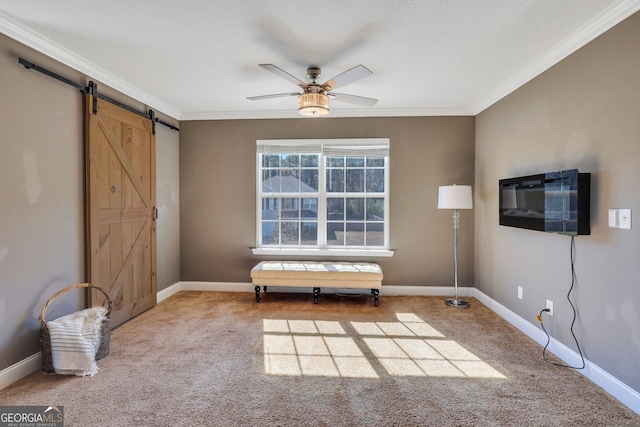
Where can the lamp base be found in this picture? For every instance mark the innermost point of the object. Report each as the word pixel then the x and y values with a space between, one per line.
pixel 457 303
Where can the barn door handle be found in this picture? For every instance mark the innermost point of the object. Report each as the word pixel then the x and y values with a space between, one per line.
pixel 155 213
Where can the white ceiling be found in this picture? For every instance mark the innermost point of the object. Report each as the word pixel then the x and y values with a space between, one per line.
pixel 198 59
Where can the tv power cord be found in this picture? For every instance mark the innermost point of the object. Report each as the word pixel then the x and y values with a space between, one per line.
pixel 539 317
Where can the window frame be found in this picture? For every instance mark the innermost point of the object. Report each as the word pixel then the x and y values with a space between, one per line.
pixel 324 151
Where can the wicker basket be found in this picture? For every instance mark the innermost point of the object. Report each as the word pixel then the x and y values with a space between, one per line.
pixel 105 330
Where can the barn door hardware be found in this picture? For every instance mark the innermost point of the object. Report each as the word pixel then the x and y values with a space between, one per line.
pixel 31 66
pixel 92 89
pixel 152 116
pixel 157 120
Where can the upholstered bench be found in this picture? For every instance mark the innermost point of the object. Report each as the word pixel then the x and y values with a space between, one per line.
pixel 317 275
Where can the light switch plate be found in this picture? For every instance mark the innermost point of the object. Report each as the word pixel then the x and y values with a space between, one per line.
pixel 624 218
pixel 613 218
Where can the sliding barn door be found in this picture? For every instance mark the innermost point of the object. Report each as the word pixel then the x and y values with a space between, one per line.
pixel 121 203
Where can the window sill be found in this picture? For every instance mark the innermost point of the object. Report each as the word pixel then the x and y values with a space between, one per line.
pixel 338 252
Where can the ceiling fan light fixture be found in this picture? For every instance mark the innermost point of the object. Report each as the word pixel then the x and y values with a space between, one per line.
pixel 313 104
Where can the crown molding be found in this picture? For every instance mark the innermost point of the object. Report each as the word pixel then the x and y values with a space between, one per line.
pixel 42 44
pixel 613 16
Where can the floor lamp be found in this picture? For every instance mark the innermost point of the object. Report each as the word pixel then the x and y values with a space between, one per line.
pixel 455 197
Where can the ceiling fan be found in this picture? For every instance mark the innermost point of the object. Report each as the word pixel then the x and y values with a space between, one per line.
pixel 314 99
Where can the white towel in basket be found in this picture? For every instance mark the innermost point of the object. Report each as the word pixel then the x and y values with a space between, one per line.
pixel 75 339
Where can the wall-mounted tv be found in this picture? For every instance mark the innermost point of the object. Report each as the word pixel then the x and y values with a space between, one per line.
pixel 554 202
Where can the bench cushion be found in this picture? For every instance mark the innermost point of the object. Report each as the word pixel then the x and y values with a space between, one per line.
pixel 318 274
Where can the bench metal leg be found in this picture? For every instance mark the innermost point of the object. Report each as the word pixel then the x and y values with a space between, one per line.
pixel 375 293
pixel 264 288
pixel 258 293
pixel 316 293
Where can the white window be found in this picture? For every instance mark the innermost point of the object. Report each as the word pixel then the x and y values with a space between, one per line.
pixel 323 195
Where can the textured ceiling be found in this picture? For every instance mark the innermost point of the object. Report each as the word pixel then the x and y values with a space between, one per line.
pixel 198 59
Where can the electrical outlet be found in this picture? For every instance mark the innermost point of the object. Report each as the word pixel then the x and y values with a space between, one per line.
pixel 550 307
pixel 519 292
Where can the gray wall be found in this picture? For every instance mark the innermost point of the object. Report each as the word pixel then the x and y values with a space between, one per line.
pixel 218 193
pixel 42 198
pixel 168 200
pixel 583 113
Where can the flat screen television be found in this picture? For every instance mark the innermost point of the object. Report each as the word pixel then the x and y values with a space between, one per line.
pixel 553 202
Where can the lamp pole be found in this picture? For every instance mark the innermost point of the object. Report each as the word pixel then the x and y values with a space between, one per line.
pixel 455 302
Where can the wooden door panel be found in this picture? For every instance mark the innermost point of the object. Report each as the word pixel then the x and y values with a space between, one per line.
pixel 121 202
pixel 135 166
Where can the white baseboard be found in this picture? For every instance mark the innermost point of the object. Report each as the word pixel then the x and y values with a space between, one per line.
pixel 426 291
pixel 218 286
pixel 203 286
pixel 625 394
pixel 168 292
pixel 249 287
pixel 615 387
pixel 20 370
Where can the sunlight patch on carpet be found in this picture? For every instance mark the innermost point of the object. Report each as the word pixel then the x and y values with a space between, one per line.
pixel 315 356
pixel 408 347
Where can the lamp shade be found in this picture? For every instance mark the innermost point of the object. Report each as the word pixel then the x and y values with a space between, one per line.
pixel 313 104
pixel 455 197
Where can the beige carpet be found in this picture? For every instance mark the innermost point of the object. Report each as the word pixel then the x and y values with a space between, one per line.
pixel 220 359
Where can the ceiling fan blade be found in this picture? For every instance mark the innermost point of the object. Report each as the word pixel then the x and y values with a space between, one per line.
pixel 353 99
pixel 352 75
pixel 275 95
pixel 282 73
